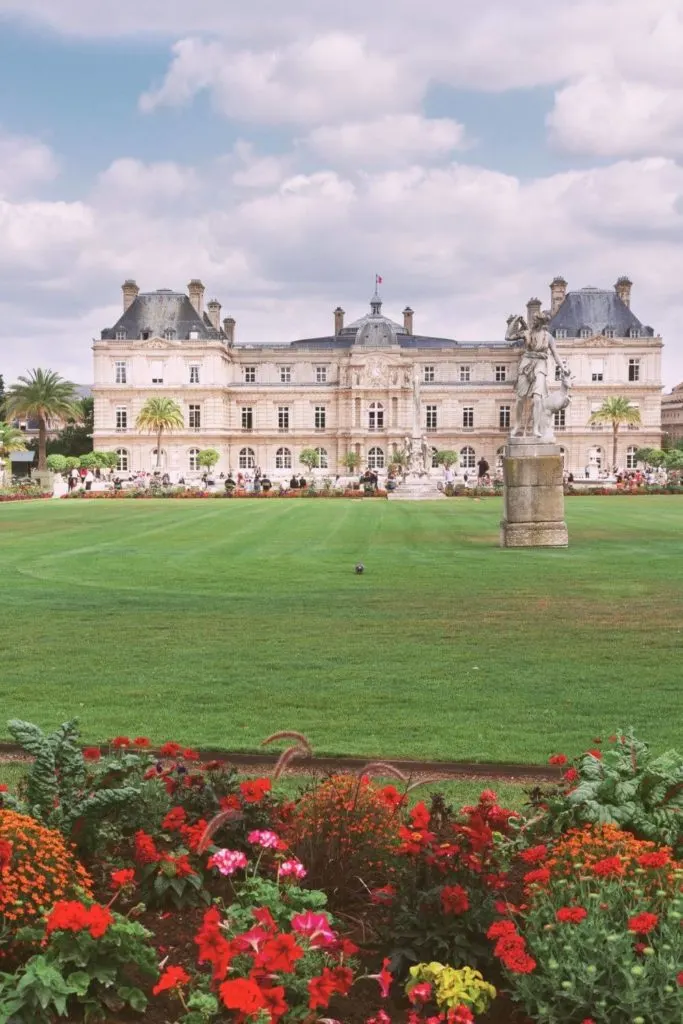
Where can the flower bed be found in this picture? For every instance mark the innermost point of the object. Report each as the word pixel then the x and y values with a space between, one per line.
pixel 155 883
pixel 183 494
pixel 22 493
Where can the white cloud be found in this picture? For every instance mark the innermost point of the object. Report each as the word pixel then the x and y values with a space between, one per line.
pixel 24 163
pixel 388 141
pixel 130 181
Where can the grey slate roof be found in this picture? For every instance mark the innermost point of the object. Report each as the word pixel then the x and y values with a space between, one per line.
pixel 597 310
pixel 160 311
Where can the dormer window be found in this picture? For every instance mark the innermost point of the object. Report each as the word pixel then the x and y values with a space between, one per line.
pixel 585 332
pixel 194 335
pixel 120 334
pixel 145 335
pixel 634 332
pixel 560 333
pixel 169 334
pixel 610 332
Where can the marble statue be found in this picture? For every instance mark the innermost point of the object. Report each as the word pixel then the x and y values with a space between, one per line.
pixel 533 412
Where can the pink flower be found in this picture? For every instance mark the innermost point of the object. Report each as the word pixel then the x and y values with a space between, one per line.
pixel 228 861
pixel 268 840
pixel 421 993
pixel 316 927
pixel 292 867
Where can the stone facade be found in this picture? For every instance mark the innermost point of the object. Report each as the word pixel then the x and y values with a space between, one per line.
pixel 672 413
pixel 353 390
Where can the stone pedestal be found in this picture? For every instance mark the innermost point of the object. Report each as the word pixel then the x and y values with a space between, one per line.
pixel 416 487
pixel 44 478
pixel 533 495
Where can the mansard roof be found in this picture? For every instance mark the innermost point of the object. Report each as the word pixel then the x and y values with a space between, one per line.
pixel 597 310
pixel 155 313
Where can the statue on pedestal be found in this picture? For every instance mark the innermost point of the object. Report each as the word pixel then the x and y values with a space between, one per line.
pixel 534 406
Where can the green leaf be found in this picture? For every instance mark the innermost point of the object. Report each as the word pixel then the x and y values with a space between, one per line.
pixel 80 982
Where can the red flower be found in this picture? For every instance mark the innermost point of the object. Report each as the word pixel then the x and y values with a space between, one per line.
pixel 420 817
pixel 5 853
pixel 173 977
pixel 571 775
pixel 123 878
pixel 229 803
pixel 4 788
pixel 145 849
pixel 279 953
pixel 597 754
pixel 541 876
pixel 391 796
pixel 170 749
pixel 557 759
pixel 500 928
pixel 571 915
pixel 679 978
pixel 73 916
pixel 254 790
pixel 192 834
pixel 607 867
pixel 658 859
pixel 99 919
pixel 119 742
pixel 183 868
pixel 454 899
pixel 174 819
pixel 384 895
pixel 92 753
pixel 534 855
pixel 460 1014
pixel 190 755
pixel 488 796
pixel 142 742
pixel 243 995
pixel 643 923
pixel 275 1004
pixel 320 990
pixel 384 978
pixel 214 949
pixel 421 993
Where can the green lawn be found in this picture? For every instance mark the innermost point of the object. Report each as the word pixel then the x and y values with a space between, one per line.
pixel 217 622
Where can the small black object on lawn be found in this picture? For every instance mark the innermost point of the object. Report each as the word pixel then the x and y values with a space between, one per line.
pixel 360 568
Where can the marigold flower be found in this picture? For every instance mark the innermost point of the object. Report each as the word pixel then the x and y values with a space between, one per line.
pixel 145 849
pixel 173 977
pixel 501 928
pixel 643 923
pixel 541 876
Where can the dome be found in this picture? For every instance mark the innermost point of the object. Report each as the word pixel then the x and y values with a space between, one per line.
pixel 374 330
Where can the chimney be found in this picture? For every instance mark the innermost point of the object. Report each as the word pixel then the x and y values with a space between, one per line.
pixel 338 320
pixel 408 319
pixel 229 329
pixel 130 293
pixel 558 292
pixel 196 292
pixel 623 290
pixel 214 308
pixel 533 308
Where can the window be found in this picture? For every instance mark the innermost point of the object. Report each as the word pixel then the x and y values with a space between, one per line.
pixel 559 419
pixel 247 417
pixel 157 372
pixel 467 458
pixel 283 458
pixel 120 375
pixel 585 332
pixel 122 464
pixel 321 375
pixel 468 416
pixel 194 460
pixel 320 413
pixel 431 417
pixel 429 375
pixel 194 374
pixel 435 458
pixel 247 459
pixel 169 334
pixel 145 335
pixel 501 374
pixel 597 371
pixel 121 417
pixel 610 332
pixel 120 334
pixel 560 333
pixel 285 374
pixel 195 419
pixel 376 458
pixel 194 335
pixel 376 417
pixel 504 417
pixel 634 332
pixel 465 374
pixel 323 461
pixel 631 461
pixel 283 417
pixel 634 370
pixel 249 374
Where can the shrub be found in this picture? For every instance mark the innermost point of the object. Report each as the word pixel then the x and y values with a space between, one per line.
pixel 37 868
pixel 57 463
pixel 601 937
pixel 346 834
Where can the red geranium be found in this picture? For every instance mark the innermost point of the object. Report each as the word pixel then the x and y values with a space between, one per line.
pixel 643 923
pixel 243 995
pixel 119 742
pixel 142 742
pixel 190 755
pixel 420 817
pixel 73 916
pixel 571 775
pixel 170 749
pixel 92 753
pixel 173 977
pixel 121 879
pixel 454 899
pixel 145 849
pixel 571 915
pixel 254 790
pixel 557 759
pixel 391 796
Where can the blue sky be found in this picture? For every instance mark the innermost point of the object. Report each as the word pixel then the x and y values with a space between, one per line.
pixel 286 154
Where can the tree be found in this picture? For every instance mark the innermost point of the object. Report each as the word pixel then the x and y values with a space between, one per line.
pixel 350 461
pixel 651 456
pixel 2 397
pixel 11 440
pixel 45 396
pixel 309 458
pixel 158 415
pixel 109 460
pixel 72 462
pixel 56 463
pixel 674 459
pixel 616 411
pixel 399 461
pixel 208 457
pixel 446 458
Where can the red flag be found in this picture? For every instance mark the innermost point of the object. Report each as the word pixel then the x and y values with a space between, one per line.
pixel 378 279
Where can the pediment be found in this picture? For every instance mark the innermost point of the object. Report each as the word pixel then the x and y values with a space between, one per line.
pixel 158 343
pixel 595 341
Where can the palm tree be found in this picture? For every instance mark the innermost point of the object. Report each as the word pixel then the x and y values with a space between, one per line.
pixel 45 396
pixel 11 440
pixel 400 461
pixel 158 415
pixel 616 411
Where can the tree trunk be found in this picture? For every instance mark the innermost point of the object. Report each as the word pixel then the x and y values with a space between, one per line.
pixel 615 432
pixel 42 443
pixel 159 450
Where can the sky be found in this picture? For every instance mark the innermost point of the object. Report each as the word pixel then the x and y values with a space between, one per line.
pixel 466 150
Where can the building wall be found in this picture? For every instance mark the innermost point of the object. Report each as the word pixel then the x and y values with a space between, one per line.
pixel 672 414
pixel 353 379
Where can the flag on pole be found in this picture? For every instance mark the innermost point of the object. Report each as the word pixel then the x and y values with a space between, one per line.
pixel 378 279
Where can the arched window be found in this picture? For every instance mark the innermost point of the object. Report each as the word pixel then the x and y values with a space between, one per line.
pixel 194 459
pixel 631 461
pixel 467 458
pixel 435 461
pixel 322 458
pixel 283 458
pixel 376 458
pixel 247 459
pixel 376 416
pixel 122 464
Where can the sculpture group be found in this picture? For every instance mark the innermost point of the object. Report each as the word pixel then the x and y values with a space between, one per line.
pixel 535 406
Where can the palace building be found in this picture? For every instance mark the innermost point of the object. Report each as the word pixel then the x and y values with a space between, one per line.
pixel 353 389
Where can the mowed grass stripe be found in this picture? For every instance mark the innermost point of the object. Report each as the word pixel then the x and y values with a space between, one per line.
pixel 220 622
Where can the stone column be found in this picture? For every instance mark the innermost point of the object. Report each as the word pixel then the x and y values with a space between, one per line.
pixel 533 495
